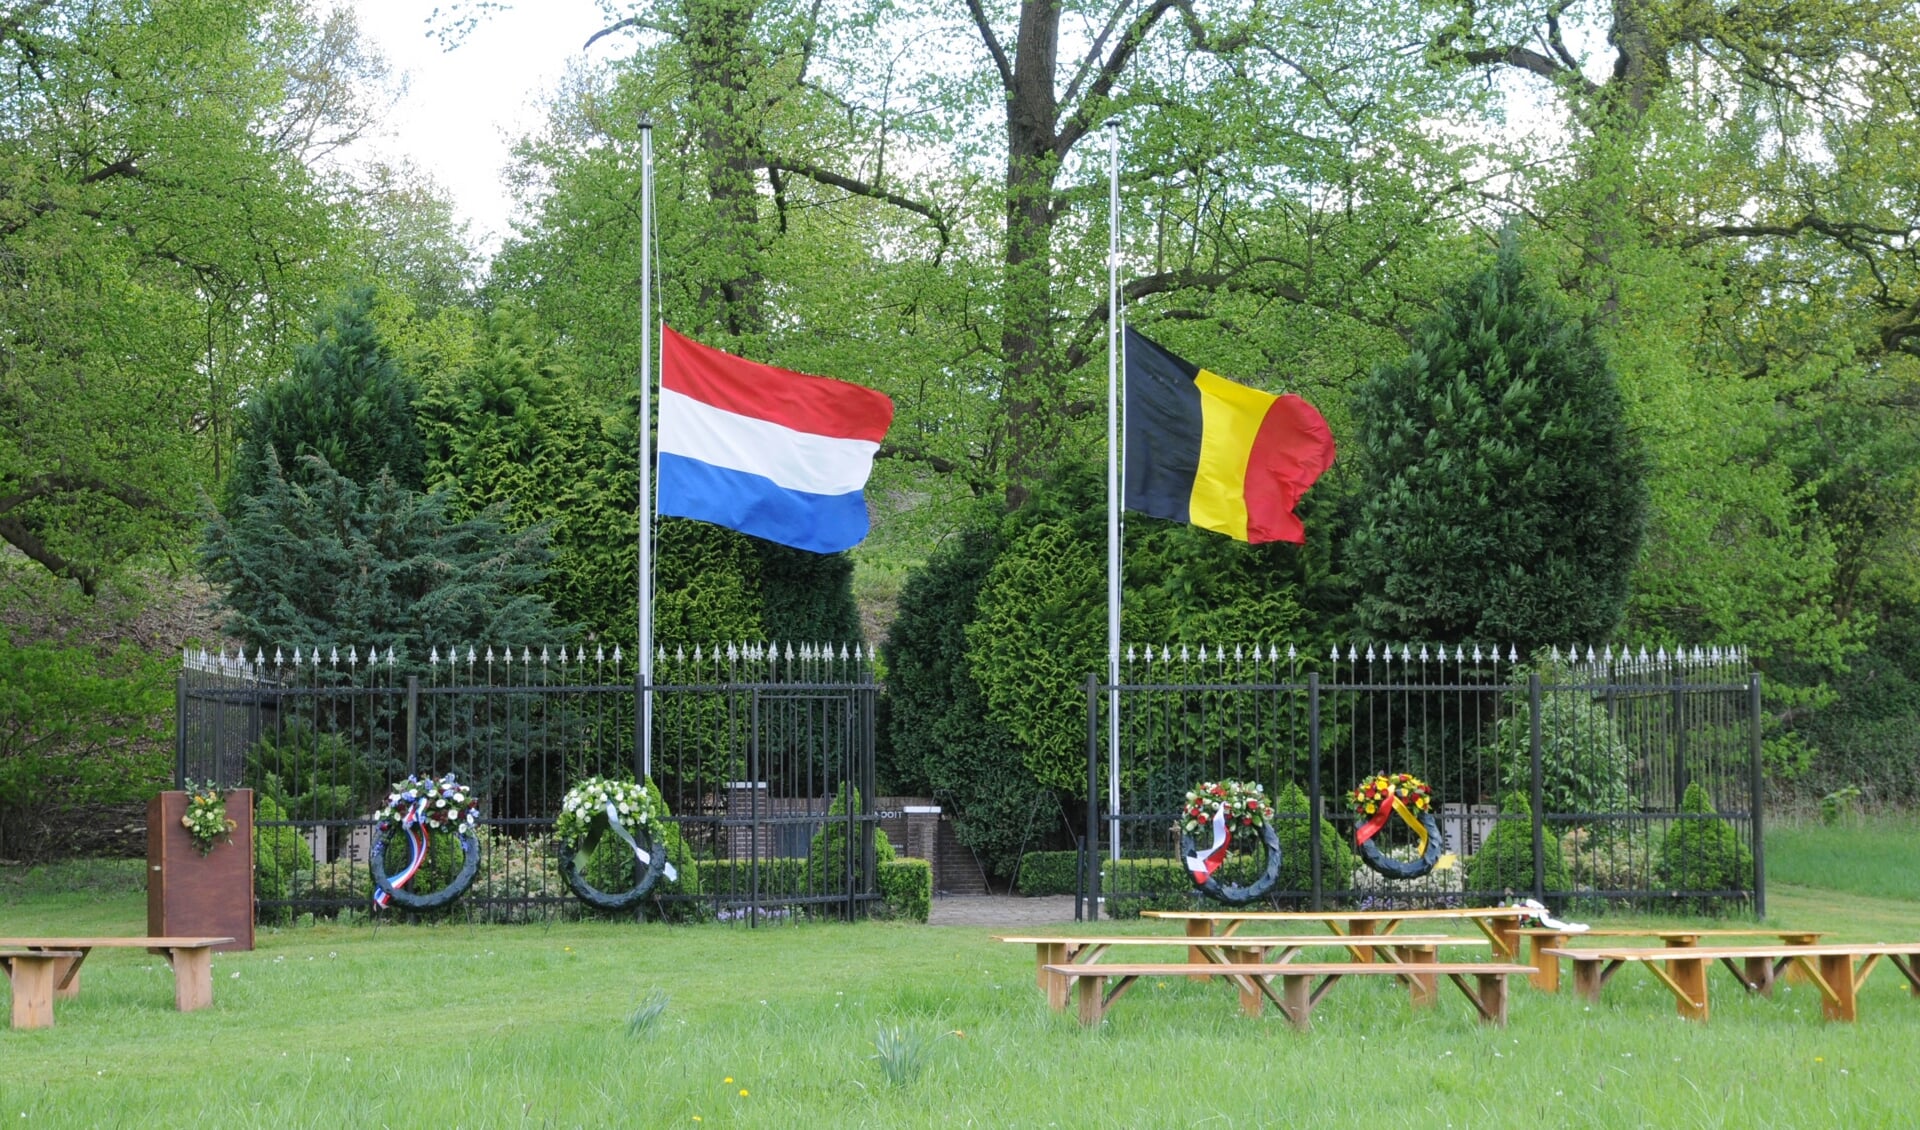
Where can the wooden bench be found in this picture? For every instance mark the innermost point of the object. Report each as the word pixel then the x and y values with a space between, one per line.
pixel 1542 939
pixel 1683 970
pixel 31 974
pixel 1086 949
pixel 1498 923
pixel 191 958
pixel 1298 994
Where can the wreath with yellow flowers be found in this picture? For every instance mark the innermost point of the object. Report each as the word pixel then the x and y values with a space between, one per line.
pixel 1379 799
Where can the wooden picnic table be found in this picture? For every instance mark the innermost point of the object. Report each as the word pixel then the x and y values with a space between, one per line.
pixel 1056 949
pixel 191 958
pixel 1498 923
pixel 1683 970
pixel 1543 939
pixel 30 976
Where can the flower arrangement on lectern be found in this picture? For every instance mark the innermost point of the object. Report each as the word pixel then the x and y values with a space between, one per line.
pixel 206 817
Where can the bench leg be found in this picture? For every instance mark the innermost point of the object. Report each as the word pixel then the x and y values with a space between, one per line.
pixel 66 978
pixel 1053 985
pixel 192 977
pixel 32 977
pixel 1688 980
pixel 1836 969
pixel 1423 989
pixel 1090 993
pixel 1757 972
pixel 1492 1001
pixel 1504 933
pixel 1588 976
pixel 1546 970
pixel 1252 1000
pixel 1296 1000
pixel 1363 928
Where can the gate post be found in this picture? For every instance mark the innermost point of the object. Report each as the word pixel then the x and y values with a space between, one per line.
pixel 1315 853
pixel 1539 816
pixel 1759 786
pixel 1086 902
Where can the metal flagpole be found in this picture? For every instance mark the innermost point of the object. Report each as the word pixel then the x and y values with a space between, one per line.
pixel 1113 489
pixel 643 740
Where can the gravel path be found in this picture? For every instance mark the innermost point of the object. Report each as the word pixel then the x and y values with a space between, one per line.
pixel 1000 910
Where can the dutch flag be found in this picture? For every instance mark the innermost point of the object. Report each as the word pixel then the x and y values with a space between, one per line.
pixel 772 453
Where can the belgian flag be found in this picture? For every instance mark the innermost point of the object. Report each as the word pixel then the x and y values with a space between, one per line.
pixel 1205 450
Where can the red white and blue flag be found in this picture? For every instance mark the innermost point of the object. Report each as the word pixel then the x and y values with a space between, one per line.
pixel 769 452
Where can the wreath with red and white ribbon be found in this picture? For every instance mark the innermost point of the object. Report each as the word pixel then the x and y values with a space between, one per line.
pixel 1222 811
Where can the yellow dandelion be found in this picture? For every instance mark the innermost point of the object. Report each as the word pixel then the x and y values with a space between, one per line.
pixel 743 1092
pixel 728 1079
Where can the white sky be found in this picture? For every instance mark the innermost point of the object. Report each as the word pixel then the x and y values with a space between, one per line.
pixel 464 107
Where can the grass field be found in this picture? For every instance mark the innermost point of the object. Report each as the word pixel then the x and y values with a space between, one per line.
pixel 602 1024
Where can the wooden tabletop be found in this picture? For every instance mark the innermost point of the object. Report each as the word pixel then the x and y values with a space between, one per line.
pixel 1548 932
pixel 1714 953
pixel 1468 912
pixel 1243 941
pixel 91 943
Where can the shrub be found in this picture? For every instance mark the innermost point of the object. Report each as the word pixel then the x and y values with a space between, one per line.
pixel 1296 845
pixel 1049 873
pixel 313 774
pixel 1584 763
pixel 278 851
pixel 1611 862
pixel 908 887
pixel 1504 863
pixel 827 853
pixel 1700 853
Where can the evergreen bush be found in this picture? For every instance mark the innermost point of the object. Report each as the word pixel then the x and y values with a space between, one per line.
pixel 907 885
pixel 1703 853
pixel 1504 498
pixel 1584 763
pixel 1504 864
pixel 278 851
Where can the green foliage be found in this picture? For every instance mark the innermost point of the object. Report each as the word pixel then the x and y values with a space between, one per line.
pixel 278 851
pixel 326 560
pixel 1504 862
pixel 827 860
pixel 1703 854
pixel 345 401
pixel 907 885
pixel 1504 494
pixel 1337 858
pixel 1584 763
pixel 313 774
pixel 1049 873
pixel 78 726
pixel 806 596
pixel 941 737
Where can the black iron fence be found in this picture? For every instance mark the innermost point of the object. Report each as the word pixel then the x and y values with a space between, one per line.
pixel 757 750
pixel 1580 778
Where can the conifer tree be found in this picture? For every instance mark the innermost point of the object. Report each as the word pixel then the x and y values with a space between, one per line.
pixel 345 400
pixel 1504 498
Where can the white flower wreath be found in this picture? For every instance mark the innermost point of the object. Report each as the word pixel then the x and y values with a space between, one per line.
pixel 586 805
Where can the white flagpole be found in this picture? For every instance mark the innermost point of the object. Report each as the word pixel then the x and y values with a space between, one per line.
pixel 645 706
pixel 1113 489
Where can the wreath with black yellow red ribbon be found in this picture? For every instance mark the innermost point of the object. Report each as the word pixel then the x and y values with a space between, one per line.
pixel 1377 801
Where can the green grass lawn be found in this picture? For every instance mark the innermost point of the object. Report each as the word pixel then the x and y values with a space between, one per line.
pixel 460 1026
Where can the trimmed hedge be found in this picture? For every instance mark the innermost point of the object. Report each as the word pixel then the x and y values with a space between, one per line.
pixel 907 885
pixel 1049 873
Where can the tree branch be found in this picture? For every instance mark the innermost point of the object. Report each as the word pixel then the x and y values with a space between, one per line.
pixel 862 188
pixel 1081 119
pixel 16 534
pixel 993 44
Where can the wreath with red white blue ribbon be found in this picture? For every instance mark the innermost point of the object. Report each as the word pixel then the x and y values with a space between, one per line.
pixel 1224 811
pixel 417 807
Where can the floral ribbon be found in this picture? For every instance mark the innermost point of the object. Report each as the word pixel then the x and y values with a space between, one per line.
pixel 639 853
pixel 1202 864
pixel 418 837
pixel 1379 819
